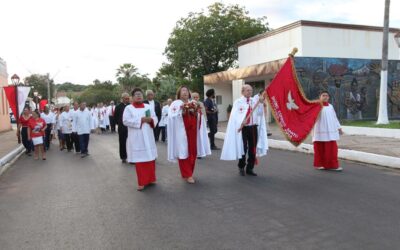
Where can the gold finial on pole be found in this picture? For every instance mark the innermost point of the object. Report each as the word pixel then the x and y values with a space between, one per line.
pixel 294 51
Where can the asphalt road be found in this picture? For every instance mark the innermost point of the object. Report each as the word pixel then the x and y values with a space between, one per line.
pixel 71 203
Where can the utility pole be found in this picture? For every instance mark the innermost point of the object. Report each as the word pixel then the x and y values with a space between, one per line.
pixel 383 111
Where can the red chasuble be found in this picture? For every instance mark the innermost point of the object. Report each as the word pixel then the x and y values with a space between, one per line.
pixel 187 165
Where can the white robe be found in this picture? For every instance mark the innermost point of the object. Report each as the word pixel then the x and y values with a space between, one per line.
pixel 327 126
pixel 233 148
pixel 177 139
pixel 164 116
pixel 140 144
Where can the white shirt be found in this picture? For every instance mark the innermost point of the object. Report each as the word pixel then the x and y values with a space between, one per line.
pixel 48 118
pixel 164 116
pixel 66 122
pixel 140 144
pixel 83 121
pixel 327 126
pixel 152 105
pixel 73 113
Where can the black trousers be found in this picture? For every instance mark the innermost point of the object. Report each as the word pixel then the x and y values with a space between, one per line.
pixel 122 135
pixel 75 140
pixel 112 123
pixel 84 143
pixel 212 125
pixel 249 136
pixel 156 131
pixel 47 137
pixel 24 137
pixel 68 141
pixel 163 131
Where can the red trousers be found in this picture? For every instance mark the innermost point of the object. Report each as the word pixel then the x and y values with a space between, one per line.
pixel 187 165
pixel 146 172
pixel 326 154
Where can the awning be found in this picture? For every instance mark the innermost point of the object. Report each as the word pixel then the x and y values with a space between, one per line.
pixel 252 71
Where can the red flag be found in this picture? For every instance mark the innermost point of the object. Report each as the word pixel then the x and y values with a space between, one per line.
pixel 295 114
pixel 12 99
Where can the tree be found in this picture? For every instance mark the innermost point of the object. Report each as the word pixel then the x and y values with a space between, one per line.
pixel 39 84
pixel 99 92
pixel 70 87
pixel 205 42
pixel 129 78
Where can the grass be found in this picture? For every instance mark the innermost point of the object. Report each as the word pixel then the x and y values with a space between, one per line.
pixel 394 124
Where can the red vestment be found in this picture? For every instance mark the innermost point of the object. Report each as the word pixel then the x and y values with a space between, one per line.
pixel 326 154
pixel 146 172
pixel 187 165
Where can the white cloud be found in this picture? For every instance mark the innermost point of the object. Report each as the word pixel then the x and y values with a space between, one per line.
pixel 86 39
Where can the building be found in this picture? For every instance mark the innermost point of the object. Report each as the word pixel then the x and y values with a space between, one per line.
pixel 344 59
pixel 4 114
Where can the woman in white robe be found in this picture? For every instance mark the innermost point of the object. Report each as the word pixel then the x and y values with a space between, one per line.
pixel 141 148
pixel 187 134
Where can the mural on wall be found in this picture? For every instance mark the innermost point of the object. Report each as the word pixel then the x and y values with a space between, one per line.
pixel 353 85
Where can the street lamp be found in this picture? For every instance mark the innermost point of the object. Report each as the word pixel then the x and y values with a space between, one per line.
pixel 15 79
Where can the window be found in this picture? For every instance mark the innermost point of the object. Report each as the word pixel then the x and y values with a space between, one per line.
pixel 219 99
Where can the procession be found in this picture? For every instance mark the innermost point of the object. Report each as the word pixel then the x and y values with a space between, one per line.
pixel 207 124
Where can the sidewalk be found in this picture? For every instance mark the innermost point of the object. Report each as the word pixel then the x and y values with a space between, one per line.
pixel 9 149
pixel 362 148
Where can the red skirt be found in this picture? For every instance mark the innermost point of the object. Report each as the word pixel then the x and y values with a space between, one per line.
pixel 187 165
pixel 326 154
pixel 146 172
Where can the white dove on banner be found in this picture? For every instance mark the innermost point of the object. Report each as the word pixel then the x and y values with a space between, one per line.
pixel 291 105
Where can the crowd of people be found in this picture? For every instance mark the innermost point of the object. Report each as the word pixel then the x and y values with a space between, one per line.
pixel 186 124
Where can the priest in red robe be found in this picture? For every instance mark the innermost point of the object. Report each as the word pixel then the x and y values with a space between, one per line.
pixel 141 148
pixel 325 134
pixel 187 133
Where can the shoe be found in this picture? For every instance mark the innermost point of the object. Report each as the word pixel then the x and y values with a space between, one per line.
pixel 251 173
pixel 241 172
pixel 140 188
pixel 339 169
pixel 269 134
pixel 320 168
pixel 123 160
pixel 190 180
pixel 84 155
pixel 215 148
pixel 43 159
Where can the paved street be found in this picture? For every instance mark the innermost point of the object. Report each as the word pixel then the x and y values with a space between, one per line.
pixel 71 203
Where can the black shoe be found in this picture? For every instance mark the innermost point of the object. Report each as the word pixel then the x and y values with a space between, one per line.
pixel 214 148
pixel 269 134
pixel 241 172
pixel 251 173
pixel 123 160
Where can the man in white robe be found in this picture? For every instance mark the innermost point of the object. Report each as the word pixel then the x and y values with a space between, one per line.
pixel 141 148
pixel 246 137
pixel 325 134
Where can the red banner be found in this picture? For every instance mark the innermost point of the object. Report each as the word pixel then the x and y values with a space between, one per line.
pixel 295 114
pixel 42 104
pixel 12 100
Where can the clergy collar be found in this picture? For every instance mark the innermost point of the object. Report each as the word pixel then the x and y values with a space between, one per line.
pixel 138 105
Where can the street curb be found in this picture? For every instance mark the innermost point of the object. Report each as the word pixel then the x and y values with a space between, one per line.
pixel 10 158
pixel 377 132
pixel 352 155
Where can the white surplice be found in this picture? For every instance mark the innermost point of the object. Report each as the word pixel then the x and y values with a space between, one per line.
pixel 140 144
pixel 233 148
pixel 327 126
pixel 177 139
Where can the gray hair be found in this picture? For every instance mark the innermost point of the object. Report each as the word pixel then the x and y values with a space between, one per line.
pixel 124 95
pixel 149 91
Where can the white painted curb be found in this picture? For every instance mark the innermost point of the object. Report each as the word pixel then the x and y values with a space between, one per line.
pixel 10 158
pixel 377 132
pixel 353 155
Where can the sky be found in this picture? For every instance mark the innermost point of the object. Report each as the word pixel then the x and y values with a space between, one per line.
pixel 79 41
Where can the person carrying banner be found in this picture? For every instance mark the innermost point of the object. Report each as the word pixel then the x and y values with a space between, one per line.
pixel 246 133
pixel 325 134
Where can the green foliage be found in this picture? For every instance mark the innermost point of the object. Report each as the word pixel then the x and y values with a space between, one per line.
pixel 205 42
pixel 129 78
pixel 70 87
pixel 99 92
pixel 39 84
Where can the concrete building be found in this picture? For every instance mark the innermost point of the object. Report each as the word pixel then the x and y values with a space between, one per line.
pixel 4 115
pixel 341 58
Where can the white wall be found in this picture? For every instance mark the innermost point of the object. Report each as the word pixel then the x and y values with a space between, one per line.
pixel 345 43
pixel 270 48
pixel 224 90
